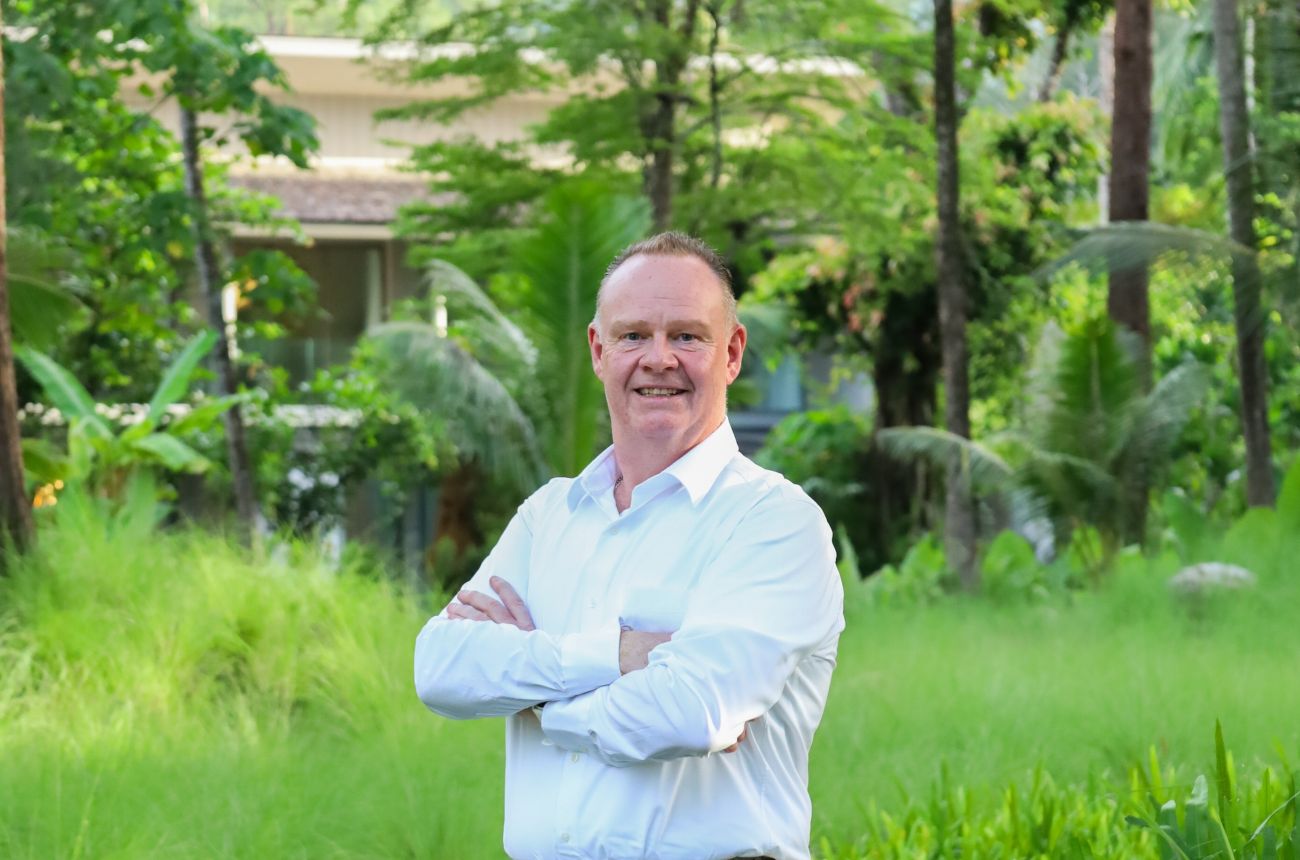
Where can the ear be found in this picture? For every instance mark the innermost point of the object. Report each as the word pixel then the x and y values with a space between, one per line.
pixel 735 352
pixel 597 349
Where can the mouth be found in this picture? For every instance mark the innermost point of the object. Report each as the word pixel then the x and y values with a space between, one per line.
pixel 659 392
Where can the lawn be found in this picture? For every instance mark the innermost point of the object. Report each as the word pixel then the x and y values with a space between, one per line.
pixel 165 695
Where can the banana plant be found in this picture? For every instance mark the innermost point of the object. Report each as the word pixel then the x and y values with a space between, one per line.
pixel 106 456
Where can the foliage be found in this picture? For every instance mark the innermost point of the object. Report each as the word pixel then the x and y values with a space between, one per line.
pixel 578 230
pixel 1086 430
pixel 106 458
pixel 100 182
pixel 236 688
pixel 662 103
pixel 1256 821
pixel 826 451
pixel 919 579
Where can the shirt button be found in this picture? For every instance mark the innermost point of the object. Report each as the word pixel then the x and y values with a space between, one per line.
pixel 575 758
pixel 564 837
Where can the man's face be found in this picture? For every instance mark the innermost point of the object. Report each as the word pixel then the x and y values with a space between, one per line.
pixel 665 351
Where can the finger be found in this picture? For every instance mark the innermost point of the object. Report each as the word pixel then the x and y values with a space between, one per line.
pixel 489 607
pixel 732 748
pixel 469 613
pixel 513 602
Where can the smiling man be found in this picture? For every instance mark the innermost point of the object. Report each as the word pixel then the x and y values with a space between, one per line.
pixel 660 630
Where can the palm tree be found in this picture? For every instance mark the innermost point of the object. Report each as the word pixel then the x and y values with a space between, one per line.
pixel 515 390
pixel 1087 429
pixel 959 516
pixel 15 513
pixel 1234 123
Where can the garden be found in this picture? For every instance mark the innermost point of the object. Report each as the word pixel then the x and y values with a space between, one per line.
pixel 1022 288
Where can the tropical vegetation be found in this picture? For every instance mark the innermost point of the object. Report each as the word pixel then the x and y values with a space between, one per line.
pixel 1033 266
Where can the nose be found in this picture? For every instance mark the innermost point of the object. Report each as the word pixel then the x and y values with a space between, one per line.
pixel 659 354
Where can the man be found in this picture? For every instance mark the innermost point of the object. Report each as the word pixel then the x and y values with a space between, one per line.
pixel 660 631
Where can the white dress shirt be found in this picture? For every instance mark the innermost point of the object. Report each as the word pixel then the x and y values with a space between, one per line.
pixel 738 562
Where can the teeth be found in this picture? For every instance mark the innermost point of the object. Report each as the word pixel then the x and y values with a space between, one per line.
pixel 658 392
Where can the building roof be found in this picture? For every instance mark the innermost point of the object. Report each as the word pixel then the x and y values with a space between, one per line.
pixel 324 198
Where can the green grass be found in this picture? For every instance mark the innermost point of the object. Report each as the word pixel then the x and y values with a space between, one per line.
pixel 164 695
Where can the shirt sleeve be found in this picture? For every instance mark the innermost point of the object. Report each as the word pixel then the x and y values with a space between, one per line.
pixel 466 669
pixel 771 598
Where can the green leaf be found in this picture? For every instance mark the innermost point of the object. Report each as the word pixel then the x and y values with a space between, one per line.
pixel 65 392
pixel 201 416
pixel 171 452
pixel 43 462
pixel 1223 777
pixel 175 381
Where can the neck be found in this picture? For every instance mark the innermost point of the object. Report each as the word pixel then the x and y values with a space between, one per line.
pixel 637 459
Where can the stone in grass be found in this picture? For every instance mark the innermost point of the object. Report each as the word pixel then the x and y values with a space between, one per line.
pixel 1209 575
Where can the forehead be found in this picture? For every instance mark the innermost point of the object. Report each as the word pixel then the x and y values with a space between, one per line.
pixel 651 284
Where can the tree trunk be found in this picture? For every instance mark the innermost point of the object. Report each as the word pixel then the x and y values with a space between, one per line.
pixel 1130 162
pixel 1130 159
pixel 456 520
pixel 1055 66
pixel 1106 102
pixel 659 170
pixel 236 445
pixel 15 509
pixel 959 515
pixel 1248 315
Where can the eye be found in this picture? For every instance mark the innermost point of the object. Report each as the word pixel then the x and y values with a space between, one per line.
pixel 687 337
pixel 630 336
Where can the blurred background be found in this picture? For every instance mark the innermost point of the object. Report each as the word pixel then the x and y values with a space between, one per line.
pixel 292 318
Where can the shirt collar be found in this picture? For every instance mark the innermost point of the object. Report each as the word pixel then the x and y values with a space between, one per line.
pixel 696 470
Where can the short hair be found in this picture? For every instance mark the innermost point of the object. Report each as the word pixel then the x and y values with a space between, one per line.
pixel 675 244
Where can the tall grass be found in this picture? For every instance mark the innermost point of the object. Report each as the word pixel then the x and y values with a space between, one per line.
pixel 166 694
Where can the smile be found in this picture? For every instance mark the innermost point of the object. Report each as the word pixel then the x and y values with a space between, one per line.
pixel 659 392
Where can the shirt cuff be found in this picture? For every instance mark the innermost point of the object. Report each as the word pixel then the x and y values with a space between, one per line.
pixel 589 660
pixel 565 722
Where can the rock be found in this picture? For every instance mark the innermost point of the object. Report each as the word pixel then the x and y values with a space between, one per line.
pixel 1209 575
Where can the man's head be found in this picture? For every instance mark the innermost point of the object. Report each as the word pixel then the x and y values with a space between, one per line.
pixel 673 244
pixel 665 342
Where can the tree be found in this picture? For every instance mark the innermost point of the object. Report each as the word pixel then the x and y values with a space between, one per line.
pixel 1085 429
pixel 1248 314
pixel 109 171
pixel 1130 153
pixel 959 516
pixel 15 509
pixel 683 101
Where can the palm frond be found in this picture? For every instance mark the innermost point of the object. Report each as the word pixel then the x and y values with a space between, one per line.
pixel 438 377
pixel 1130 244
pixel 40 305
pixel 581 227
pixel 768 327
pixel 1165 411
pixel 466 297
pixel 987 470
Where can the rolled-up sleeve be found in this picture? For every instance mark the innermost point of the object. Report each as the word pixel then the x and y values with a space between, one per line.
pixel 466 669
pixel 770 599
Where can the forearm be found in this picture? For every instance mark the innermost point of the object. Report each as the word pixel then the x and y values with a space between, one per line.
pixel 685 703
pixel 466 669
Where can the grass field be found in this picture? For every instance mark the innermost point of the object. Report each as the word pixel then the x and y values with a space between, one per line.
pixel 164 696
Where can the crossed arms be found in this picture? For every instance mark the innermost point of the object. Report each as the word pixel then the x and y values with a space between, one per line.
pixel 768 600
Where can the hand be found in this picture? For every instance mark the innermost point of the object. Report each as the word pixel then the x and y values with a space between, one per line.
pixel 510 609
pixel 634 649
pixel 744 733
